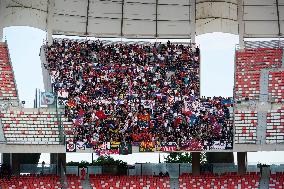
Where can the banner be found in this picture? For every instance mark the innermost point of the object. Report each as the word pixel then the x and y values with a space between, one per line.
pixel 125 148
pixel 70 147
pixel 80 145
pixel 168 147
pixel 114 145
pixel 146 147
pixel 47 98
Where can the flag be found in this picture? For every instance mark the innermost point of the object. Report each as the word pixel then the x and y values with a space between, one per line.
pixel 146 147
pixel 70 146
pixel 80 145
pixel 104 146
pixel 47 98
pixel 114 145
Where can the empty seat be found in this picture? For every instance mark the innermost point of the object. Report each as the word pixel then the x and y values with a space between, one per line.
pixel 276 85
pixel 249 64
pixel 127 182
pixel 245 127
pixel 31 182
pixel 34 126
pixel 275 126
pixel 229 180
pixel 8 89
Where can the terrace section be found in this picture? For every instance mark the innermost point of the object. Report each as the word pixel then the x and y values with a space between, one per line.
pixel 8 90
pixel 228 180
pixel 249 64
pixel 275 126
pixel 35 126
pixel 245 127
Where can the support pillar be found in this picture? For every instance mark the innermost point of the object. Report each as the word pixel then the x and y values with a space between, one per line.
pixel 1 34
pixel 196 163
pixel 49 21
pixel 60 160
pixel 241 24
pixel 192 13
pixel 242 162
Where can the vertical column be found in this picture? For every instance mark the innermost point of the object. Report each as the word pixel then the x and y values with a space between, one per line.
pixel 6 158
pixel 60 160
pixel 49 21
pixel 241 23
pixel 1 33
pixel 242 162
pixel 263 97
pixel 192 14
pixel 196 163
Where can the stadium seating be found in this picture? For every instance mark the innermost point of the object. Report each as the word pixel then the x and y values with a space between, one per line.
pixel 276 85
pixel 33 126
pixel 73 181
pixel 134 92
pixel 31 182
pixel 8 89
pixel 228 181
pixel 275 126
pixel 276 180
pixel 121 182
pixel 245 126
pixel 249 63
pixel 247 85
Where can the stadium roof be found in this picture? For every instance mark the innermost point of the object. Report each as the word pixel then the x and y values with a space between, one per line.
pixel 147 18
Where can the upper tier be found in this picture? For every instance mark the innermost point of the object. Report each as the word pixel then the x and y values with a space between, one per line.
pixel 8 89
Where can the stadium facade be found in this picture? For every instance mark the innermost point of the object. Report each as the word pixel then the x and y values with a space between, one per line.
pixel 257 114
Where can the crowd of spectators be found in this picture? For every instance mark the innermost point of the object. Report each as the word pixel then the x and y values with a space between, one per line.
pixel 136 92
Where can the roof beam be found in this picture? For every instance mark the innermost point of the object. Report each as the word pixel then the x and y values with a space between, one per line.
pixel 87 20
pixel 241 23
pixel 278 18
pixel 49 20
pixel 122 18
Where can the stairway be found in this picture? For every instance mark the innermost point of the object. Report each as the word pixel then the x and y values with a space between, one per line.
pixel 264 180
pixel 2 137
pixel 174 182
pixel 86 184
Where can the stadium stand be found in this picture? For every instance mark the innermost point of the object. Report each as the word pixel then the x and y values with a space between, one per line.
pixel 8 89
pixel 276 85
pixel 118 182
pixel 73 181
pixel 275 126
pixel 245 126
pixel 249 64
pixel 34 126
pixel 134 92
pixel 31 182
pixel 276 180
pixel 229 180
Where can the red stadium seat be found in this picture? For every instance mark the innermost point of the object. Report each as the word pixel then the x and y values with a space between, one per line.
pixel 249 63
pixel 32 126
pixel 129 182
pixel 245 126
pixel 7 81
pixel 228 181
pixel 275 126
pixel 31 182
